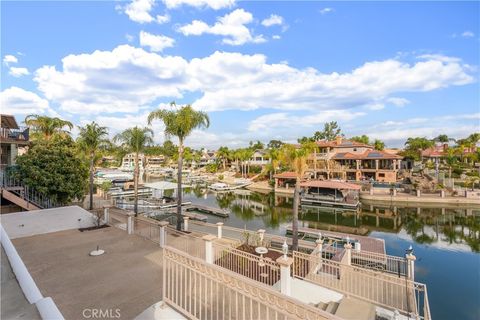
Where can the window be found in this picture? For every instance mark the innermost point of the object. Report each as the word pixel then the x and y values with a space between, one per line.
pixel 381 175
pixel 354 149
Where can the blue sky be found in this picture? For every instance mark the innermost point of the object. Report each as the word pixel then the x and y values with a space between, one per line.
pixel 262 70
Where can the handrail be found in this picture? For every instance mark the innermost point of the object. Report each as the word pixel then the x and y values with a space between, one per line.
pixel 27 193
pixel 371 286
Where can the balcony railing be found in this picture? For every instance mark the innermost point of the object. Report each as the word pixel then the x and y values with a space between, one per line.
pixel 21 134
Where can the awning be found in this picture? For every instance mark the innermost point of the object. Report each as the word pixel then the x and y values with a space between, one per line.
pixel 330 185
pixel 163 185
pixel 286 175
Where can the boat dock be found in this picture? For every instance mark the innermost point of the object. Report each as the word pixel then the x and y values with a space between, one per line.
pixel 366 243
pixel 206 209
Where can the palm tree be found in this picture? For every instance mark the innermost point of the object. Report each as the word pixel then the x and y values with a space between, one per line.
pixel 46 127
pixel 296 160
pixel 273 154
pixel 180 123
pixel 223 154
pixel 91 139
pixel 135 140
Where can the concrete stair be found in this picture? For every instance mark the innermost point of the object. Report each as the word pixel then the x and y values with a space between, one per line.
pixel 349 309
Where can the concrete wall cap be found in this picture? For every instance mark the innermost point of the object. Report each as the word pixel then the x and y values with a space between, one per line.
pixel 284 262
pixel 209 237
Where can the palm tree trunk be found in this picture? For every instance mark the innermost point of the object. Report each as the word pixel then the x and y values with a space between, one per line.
pixel 91 182
pixel 135 185
pixel 179 185
pixel 296 200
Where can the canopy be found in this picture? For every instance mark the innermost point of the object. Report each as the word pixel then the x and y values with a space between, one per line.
pixel 163 185
pixel 330 185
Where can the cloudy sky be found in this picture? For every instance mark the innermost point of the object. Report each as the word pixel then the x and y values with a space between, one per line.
pixel 262 70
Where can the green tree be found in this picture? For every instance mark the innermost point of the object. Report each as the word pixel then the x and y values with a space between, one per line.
pixel 180 123
pixel 275 144
pixel 223 154
pixel 415 146
pixel 361 139
pixel 44 127
pixel 256 145
pixel 379 145
pixel 442 138
pixel 135 140
pixel 91 139
pixel 296 160
pixel 169 149
pixel 53 168
pixel 330 131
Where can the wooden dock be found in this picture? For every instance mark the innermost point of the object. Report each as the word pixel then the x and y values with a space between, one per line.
pixel 206 209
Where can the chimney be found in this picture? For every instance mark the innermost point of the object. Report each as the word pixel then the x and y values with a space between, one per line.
pixel 338 140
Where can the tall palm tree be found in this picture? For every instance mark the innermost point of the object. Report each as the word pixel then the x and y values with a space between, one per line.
pixel 296 160
pixel 46 127
pixel 223 154
pixel 135 140
pixel 273 154
pixel 180 123
pixel 91 139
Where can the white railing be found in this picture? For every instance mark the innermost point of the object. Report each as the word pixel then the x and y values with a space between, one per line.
pixel 190 244
pixel 381 262
pixel 258 268
pixel 374 287
pixel 206 291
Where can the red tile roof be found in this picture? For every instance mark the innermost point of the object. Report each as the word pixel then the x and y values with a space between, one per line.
pixel 342 143
pixel 286 175
pixel 330 184
pixel 367 155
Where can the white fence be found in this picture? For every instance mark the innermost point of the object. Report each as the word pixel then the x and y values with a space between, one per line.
pixel 206 291
pixel 378 288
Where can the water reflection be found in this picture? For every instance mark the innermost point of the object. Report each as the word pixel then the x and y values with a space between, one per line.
pixel 443 227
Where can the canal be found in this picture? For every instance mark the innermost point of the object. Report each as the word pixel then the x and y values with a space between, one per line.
pixel 446 241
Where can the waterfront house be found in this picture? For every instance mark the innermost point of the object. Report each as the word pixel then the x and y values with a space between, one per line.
pixel 128 162
pixel 13 138
pixel 351 160
pixel 259 158
pixel 154 164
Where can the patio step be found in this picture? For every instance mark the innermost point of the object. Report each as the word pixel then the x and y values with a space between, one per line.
pixel 332 307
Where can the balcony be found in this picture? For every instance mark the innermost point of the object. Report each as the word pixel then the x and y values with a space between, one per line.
pixel 19 136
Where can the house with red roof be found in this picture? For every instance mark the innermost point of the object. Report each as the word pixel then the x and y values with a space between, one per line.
pixel 350 160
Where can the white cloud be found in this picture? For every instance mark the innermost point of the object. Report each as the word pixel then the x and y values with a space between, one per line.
pixel 18 101
pixel 139 11
pixel 257 84
pixel 213 4
pixel 129 37
pixel 288 121
pixel 127 79
pixel 231 26
pixel 398 102
pixel 9 59
pixel 326 10
pixel 120 80
pixel 163 19
pixel 155 42
pixel 276 37
pixel 468 34
pixel 395 132
pixel 273 20
pixel 18 72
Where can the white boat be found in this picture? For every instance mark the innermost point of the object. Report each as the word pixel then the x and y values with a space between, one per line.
pixel 220 186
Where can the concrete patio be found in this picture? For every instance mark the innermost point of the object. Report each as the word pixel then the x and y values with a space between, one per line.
pixel 126 280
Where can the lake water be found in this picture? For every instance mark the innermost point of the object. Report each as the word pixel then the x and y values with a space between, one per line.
pixel 446 241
